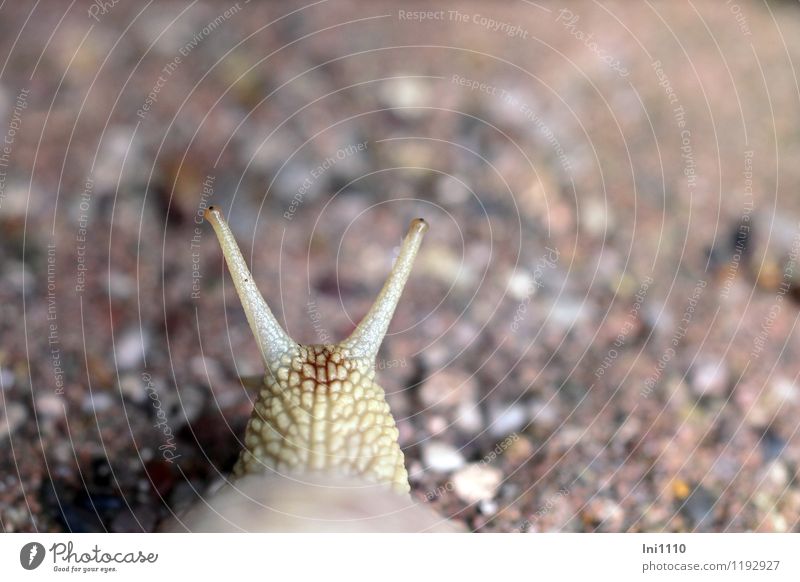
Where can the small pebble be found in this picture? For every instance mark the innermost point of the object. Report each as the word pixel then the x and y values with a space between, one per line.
pixel 133 388
pixel 11 419
pixel 6 379
pixel 508 419
pixel 519 451
pixel 596 218
pixel 779 522
pixel 448 388
pixel 469 418
pixel 96 402
pixel 121 285
pixel 437 356
pixel 545 415
pixel 477 482
pixel 611 513
pixel 20 278
pixel 786 390
pixel 451 191
pixel 488 507
pixel 778 474
pixel 50 406
pixel 416 473
pixel 206 368
pixel 567 312
pixel 192 400
pixel 406 96
pixel 436 424
pixel 130 348
pixel 710 379
pixel 61 452
pixel 521 285
pixel 439 456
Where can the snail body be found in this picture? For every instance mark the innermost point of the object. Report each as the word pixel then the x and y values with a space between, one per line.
pixel 321 446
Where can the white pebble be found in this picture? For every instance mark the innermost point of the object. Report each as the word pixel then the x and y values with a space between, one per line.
pixel 477 482
pixel 710 378
pixel 469 418
pixel 521 285
pixel 508 420
pixel 488 507
pixel 130 348
pixel 439 456
pixel 50 406
pixel 406 96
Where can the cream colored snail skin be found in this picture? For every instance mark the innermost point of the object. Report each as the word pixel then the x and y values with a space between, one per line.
pixel 321 450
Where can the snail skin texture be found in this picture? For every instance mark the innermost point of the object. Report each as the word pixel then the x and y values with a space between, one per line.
pixel 321 450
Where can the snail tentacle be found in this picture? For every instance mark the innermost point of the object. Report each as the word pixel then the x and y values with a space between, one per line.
pixel 365 341
pixel 272 340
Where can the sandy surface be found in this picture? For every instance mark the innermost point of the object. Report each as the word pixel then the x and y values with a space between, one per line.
pixel 599 334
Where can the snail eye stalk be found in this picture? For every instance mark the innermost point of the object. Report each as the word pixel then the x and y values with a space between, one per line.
pixel 272 340
pixel 365 341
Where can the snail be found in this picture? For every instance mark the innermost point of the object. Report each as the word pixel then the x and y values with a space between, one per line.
pixel 321 447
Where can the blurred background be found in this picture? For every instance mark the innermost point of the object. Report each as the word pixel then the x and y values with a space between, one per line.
pixel 600 332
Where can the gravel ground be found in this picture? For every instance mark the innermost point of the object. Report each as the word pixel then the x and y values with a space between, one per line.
pixel 600 333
